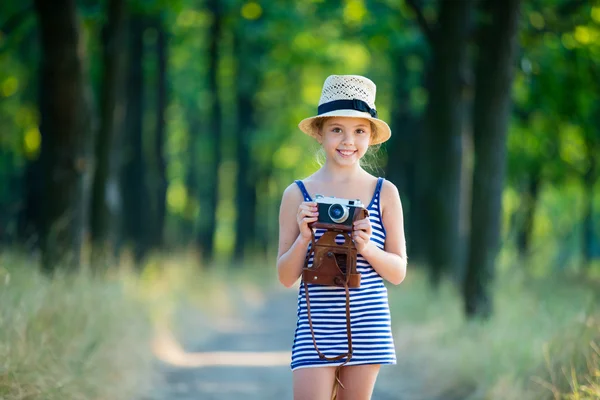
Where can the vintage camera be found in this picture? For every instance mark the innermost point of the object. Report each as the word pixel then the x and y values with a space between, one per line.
pixel 336 213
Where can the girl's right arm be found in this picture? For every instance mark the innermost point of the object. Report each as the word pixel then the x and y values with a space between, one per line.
pixel 294 234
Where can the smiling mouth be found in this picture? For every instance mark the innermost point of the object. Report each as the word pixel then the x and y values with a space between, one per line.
pixel 346 153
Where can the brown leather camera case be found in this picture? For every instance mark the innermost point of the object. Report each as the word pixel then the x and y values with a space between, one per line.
pixel 333 264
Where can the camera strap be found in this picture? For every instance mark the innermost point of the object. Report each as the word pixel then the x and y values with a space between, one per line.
pixel 337 281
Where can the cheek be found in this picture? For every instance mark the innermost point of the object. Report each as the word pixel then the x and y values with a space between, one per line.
pixel 330 140
pixel 365 140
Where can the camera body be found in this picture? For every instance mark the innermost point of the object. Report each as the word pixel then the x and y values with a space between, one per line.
pixel 338 214
pixel 334 263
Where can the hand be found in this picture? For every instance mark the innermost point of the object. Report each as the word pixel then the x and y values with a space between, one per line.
pixel 307 213
pixel 361 233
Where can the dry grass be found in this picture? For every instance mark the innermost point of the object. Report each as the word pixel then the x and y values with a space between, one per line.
pixel 71 337
pixel 85 337
pixel 542 342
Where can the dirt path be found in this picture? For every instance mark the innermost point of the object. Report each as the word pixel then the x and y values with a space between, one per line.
pixel 246 356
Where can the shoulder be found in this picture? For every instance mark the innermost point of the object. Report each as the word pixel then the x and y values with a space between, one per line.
pixel 312 178
pixel 292 195
pixel 388 188
pixel 389 193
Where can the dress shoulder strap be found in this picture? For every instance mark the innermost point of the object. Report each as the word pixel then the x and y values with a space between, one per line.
pixel 303 190
pixel 379 184
pixel 375 198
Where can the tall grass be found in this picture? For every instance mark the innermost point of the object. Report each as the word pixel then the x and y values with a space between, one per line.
pixel 542 342
pixel 88 337
pixel 71 337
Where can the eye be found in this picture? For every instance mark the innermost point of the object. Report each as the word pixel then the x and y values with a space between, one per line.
pixel 360 131
pixel 336 130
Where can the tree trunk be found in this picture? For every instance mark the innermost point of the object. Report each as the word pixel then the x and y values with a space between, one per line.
pixel 211 184
pixel 529 201
pixel 245 189
pixel 247 52
pixel 159 140
pixel 192 179
pixel 29 219
pixel 134 189
pixel 29 224
pixel 65 124
pixel 400 168
pixel 589 181
pixel 494 74
pixel 9 196
pixel 441 157
pixel 111 109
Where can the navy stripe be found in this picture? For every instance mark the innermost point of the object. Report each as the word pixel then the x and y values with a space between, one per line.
pixel 370 316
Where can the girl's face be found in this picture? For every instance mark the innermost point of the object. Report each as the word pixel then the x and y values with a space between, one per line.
pixel 345 140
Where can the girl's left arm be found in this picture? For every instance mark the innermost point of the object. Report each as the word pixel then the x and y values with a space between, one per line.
pixel 391 262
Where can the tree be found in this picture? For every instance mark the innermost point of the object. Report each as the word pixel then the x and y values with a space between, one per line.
pixel 112 105
pixel 440 155
pixel 210 185
pixel 160 166
pixel 494 73
pixel 136 201
pixel 64 125
pixel 249 51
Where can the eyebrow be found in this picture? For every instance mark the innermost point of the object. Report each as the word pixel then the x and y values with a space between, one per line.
pixel 356 126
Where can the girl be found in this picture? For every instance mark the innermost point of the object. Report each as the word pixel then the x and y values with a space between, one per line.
pixel 346 125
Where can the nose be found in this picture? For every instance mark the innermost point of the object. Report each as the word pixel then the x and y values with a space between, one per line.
pixel 348 138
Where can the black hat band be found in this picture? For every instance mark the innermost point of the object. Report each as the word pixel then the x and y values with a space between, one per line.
pixel 354 104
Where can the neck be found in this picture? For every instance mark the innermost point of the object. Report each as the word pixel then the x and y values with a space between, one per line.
pixel 336 173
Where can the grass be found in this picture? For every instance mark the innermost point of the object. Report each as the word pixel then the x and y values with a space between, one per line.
pixel 71 337
pixel 542 342
pixel 86 337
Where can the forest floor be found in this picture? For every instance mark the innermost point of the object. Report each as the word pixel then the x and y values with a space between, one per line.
pixel 243 351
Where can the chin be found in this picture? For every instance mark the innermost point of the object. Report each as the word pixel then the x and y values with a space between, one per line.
pixel 347 163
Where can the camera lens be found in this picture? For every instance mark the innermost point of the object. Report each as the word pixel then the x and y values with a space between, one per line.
pixel 338 213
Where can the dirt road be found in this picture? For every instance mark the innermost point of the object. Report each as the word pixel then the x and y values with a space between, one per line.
pixel 247 355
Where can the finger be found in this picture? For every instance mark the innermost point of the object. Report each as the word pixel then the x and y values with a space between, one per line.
pixel 308 220
pixel 366 227
pixel 362 222
pixel 307 208
pixel 307 212
pixel 310 213
pixel 360 225
pixel 361 236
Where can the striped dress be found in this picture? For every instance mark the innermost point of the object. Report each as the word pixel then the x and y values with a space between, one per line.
pixel 372 340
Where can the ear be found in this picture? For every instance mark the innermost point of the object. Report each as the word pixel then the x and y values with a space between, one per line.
pixel 319 137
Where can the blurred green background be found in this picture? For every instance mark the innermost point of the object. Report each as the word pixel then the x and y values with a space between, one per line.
pixel 137 128
pixel 167 125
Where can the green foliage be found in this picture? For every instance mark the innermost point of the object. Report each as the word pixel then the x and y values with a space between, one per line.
pixel 290 48
pixel 554 90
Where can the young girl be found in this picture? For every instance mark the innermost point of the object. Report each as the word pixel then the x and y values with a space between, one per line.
pixel 346 125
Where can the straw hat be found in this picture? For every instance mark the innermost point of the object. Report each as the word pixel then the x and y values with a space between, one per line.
pixel 348 96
